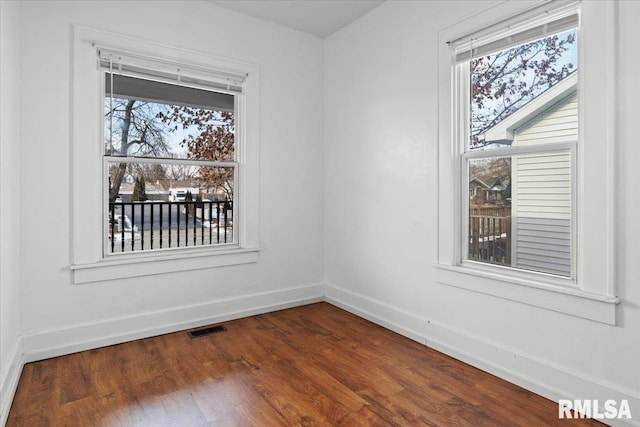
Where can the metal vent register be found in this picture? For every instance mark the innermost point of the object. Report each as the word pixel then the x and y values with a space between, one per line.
pixel 207 331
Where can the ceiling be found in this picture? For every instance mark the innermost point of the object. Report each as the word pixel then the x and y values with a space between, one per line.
pixel 318 17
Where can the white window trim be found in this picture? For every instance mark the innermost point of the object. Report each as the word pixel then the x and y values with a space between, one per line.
pixel 592 295
pixel 88 261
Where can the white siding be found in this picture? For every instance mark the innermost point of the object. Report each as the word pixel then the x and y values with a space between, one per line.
pixel 542 193
pixel 559 124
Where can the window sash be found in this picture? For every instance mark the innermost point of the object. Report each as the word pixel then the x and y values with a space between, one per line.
pixel 520 150
pixel 169 160
pixel 107 83
pixel 137 160
pixel 550 148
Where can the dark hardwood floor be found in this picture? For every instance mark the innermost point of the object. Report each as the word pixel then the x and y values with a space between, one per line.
pixel 315 365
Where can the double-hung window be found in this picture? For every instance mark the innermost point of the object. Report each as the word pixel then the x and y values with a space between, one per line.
pixel 165 158
pixel 518 133
pixel 526 155
pixel 169 154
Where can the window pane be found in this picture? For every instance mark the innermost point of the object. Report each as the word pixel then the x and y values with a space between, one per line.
pixel 520 211
pixel 513 90
pixel 161 206
pixel 542 213
pixel 144 118
pixel 490 210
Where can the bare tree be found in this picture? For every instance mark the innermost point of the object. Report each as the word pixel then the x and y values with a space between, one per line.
pixel 502 83
pixel 180 172
pixel 133 128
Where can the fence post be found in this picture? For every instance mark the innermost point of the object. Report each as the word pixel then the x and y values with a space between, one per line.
pixel 507 221
pixel 473 222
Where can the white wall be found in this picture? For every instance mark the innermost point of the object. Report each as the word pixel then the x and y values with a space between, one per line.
pixel 10 362
pixel 381 160
pixel 363 213
pixel 57 316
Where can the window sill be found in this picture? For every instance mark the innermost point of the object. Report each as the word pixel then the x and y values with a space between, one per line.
pixel 122 268
pixel 567 300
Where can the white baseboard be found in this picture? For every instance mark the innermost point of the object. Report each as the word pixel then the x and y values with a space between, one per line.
pixel 539 376
pixel 9 382
pixel 57 342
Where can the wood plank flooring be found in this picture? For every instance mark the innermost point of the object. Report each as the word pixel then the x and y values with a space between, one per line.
pixel 315 365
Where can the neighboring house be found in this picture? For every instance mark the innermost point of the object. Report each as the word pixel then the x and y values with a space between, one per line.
pixel 477 190
pixel 154 191
pixel 168 190
pixel 541 184
pixel 481 193
pixel 179 188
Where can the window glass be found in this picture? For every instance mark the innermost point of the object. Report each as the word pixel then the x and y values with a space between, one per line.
pixel 170 160
pixel 523 125
pixel 515 79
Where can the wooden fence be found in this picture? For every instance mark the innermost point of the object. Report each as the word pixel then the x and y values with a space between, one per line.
pixel 490 234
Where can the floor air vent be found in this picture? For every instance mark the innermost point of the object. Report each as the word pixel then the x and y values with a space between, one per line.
pixel 207 331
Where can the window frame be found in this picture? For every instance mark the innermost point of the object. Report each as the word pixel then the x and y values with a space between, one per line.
pixel 591 294
pixel 89 261
pixel 238 144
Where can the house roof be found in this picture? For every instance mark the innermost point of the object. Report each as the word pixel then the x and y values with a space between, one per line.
pixel 502 132
pixel 497 185
pixel 479 181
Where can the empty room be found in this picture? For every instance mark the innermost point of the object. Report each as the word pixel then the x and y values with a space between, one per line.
pixel 319 213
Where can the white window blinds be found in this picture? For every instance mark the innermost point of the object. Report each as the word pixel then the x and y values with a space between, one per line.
pixel 136 65
pixel 535 24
